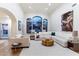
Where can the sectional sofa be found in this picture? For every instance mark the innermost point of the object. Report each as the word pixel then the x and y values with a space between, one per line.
pixel 60 37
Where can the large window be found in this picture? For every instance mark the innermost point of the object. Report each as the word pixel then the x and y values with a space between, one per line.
pixel 28 25
pixel 36 23
pixel 45 24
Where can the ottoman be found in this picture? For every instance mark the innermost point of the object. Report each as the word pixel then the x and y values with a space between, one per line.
pixel 48 42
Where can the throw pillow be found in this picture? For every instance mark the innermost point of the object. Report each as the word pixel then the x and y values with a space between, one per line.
pixel 53 33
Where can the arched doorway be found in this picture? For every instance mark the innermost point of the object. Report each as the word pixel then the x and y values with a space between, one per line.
pixel 13 21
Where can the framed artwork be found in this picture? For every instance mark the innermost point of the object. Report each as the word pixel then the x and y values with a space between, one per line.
pixel 19 25
pixel 5 29
pixel 67 21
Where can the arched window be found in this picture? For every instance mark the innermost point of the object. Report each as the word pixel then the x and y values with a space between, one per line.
pixel 45 24
pixel 37 24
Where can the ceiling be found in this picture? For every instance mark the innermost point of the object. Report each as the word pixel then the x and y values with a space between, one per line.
pixel 45 8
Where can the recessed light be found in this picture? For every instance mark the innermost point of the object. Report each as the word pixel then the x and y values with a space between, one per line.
pixel 30 7
pixel 49 4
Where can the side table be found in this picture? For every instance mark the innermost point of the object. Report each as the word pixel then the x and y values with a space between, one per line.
pixel 32 37
pixel 73 45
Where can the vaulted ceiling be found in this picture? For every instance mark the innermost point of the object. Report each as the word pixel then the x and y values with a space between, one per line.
pixel 45 8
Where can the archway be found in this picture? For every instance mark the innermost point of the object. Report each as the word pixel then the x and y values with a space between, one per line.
pixel 13 21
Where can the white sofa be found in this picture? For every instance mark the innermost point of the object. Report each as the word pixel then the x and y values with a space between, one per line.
pixel 60 37
pixel 43 35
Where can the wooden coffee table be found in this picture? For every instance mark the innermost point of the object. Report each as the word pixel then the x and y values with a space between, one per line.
pixel 16 49
pixel 16 52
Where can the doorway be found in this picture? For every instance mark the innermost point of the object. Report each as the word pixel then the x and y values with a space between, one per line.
pixel 9 18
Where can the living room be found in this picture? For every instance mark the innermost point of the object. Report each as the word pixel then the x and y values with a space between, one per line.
pixel 39 29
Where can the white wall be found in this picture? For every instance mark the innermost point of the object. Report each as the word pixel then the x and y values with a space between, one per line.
pixel 16 10
pixel 76 17
pixel 36 14
pixel 56 17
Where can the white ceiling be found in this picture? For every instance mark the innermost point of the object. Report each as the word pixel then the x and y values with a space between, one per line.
pixel 45 8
